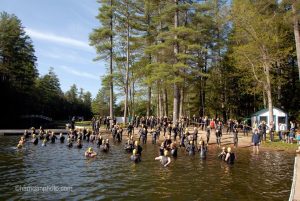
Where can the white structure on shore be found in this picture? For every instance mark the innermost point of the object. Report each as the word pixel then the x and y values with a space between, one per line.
pixel 279 116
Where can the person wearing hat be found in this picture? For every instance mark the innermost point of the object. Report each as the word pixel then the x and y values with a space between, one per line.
pixel 165 160
pixel 230 156
pixel 90 153
pixel 135 157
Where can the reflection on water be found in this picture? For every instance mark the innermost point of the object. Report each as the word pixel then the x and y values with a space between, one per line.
pixel 266 176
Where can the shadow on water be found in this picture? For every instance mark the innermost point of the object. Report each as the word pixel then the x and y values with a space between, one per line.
pixel 112 176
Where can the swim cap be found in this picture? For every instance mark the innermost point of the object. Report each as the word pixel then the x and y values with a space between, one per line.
pixel 90 149
pixel 134 151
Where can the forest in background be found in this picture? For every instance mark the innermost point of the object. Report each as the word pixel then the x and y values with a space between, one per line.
pixel 216 58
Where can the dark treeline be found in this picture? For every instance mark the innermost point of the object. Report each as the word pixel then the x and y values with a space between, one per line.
pixel 23 91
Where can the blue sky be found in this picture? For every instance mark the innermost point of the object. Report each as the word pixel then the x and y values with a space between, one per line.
pixel 60 32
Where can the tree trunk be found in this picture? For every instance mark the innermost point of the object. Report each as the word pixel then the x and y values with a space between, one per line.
pixel 111 89
pixel 166 102
pixel 149 101
pixel 133 111
pixel 297 35
pixel 269 94
pixel 181 102
pixel 127 69
pixel 160 103
pixel 175 87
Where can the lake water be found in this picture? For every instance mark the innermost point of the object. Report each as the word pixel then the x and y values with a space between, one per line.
pixel 267 176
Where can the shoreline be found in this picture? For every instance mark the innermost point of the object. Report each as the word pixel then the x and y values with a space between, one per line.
pixel 227 139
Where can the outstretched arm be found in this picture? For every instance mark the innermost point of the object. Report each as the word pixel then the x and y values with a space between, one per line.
pixel 158 158
pixel 169 161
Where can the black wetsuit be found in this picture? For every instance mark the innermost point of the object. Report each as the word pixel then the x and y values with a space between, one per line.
pixel 135 158
pixel 231 158
pixel 139 150
pixel 62 139
pixel 53 138
pixel 174 152
pixel 35 141
pixel 190 149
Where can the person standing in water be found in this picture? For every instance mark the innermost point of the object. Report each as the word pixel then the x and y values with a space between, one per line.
pixel 34 140
pixel 90 152
pixel 207 134
pixel 21 142
pixel 230 156
pixel 165 160
pixel 202 149
pixel 256 141
pixel 223 154
pixel 135 157
pixel 61 138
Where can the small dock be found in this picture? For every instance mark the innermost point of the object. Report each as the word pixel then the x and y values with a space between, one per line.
pixel 9 132
pixel 295 190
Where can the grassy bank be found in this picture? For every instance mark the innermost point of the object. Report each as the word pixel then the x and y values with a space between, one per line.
pixel 280 145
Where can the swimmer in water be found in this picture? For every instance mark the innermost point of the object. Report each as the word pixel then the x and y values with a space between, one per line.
pixel 79 144
pixel 202 149
pixel 230 157
pixel 69 141
pixel 44 142
pixel 223 154
pixel 135 157
pixel 128 146
pixel 61 138
pixel 174 149
pixel 162 149
pixel 34 140
pixel 90 152
pixel 138 148
pixel 104 146
pixel 190 148
pixel 21 142
pixel 165 160
pixel 53 137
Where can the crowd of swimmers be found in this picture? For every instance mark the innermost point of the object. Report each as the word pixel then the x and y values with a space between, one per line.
pixel 174 137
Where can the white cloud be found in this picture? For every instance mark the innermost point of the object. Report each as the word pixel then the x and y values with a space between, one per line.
pixel 57 39
pixel 80 73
